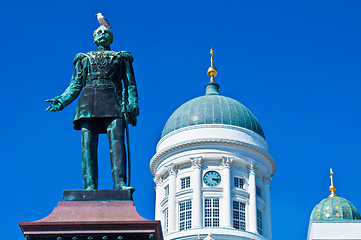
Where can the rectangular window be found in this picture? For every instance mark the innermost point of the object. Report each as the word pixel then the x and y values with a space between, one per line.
pixel 211 212
pixel 185 182
pixel 165 220
pixel 238 182
pixel 258 191
pixel 166 191
pixel 259 222
pixel 185 215
pixel 239 215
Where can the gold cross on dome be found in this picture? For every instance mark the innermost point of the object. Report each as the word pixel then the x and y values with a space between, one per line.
pixel 332 187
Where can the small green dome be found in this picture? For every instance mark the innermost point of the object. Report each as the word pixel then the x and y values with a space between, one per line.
pixel 335 208
pixel 212 108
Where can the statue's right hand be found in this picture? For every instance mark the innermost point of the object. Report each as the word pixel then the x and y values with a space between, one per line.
pixel 55 105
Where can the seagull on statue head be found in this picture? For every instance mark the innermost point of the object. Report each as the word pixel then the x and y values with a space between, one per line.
pixel 102 20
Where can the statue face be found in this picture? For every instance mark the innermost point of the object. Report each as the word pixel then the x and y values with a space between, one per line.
pixel 103 37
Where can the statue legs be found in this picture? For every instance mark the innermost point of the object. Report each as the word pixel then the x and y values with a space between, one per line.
pixel 90 134
pixel 115 131
pixel 89 140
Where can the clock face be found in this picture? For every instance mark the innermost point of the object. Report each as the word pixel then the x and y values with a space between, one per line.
pixel 212 178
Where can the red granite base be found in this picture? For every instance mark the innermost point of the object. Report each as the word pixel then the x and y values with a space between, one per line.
pixel 93 220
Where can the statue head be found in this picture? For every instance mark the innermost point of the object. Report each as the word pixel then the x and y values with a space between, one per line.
pixel 103 36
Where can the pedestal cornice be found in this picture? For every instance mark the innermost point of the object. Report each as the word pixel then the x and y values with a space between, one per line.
pixel 94 220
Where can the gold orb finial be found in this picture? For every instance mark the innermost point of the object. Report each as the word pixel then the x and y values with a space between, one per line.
pixel 212 71
pixel 332 187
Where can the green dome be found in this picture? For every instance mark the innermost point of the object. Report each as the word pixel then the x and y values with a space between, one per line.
pixel 335 208
pixel 212 108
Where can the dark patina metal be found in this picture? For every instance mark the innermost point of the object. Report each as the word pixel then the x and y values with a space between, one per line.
pixel 107 103
pixel 97 195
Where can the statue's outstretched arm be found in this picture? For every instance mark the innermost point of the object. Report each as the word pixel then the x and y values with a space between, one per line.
pixel 74 89
pixel 55 105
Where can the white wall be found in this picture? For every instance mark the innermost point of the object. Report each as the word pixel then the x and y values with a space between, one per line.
pixel 332 230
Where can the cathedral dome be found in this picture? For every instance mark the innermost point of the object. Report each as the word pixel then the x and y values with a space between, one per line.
pixel 212 108
pixel 335 208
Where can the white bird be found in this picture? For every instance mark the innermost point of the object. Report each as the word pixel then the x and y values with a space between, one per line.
pixel 102 20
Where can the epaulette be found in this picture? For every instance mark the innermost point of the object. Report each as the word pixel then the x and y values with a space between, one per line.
pixel 126 55
pixel 78 56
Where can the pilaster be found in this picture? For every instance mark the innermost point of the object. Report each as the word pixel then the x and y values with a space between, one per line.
pixel 196 182
pixel 158 196
pixel 252 208
pixel 173 170
pixel 226 183
pixel 267 197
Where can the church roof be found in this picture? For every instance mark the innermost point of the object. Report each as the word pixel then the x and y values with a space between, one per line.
pixel 335 208
pixel 212 108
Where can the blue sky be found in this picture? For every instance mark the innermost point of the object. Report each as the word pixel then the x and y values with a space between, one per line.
pixel 295 64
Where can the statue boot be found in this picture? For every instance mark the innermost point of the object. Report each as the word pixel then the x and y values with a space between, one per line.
pixel 122 186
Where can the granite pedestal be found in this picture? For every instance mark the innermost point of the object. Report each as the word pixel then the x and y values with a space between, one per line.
pixel 93 215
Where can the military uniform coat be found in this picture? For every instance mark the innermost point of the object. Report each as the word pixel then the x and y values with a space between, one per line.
pixel 98 76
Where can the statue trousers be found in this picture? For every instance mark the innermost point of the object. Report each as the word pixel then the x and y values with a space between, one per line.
pixel 90 135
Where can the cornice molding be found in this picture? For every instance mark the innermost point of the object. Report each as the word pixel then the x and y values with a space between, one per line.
pixel 175 147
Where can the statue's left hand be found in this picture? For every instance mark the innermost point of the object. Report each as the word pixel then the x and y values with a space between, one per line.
pixel 133 112
pixel 133 109
pixel 55 105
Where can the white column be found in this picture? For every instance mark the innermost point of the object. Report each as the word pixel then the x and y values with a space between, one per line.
pixel 226 183
pixel 158 197
pixel 172 217
pixel 267 222
pixel 196 181
pixel 252 208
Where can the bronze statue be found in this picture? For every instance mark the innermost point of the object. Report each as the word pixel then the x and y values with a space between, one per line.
pixel 103 106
